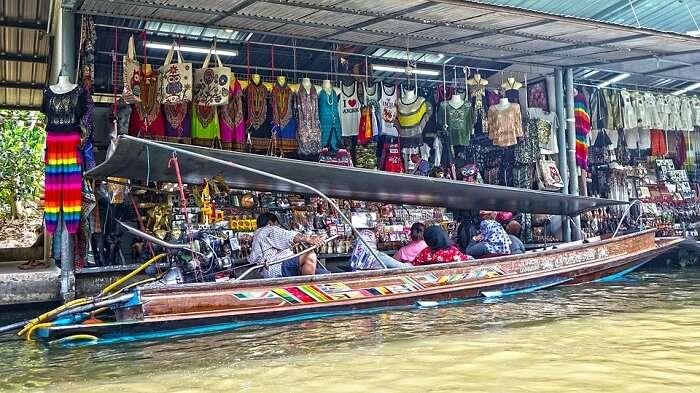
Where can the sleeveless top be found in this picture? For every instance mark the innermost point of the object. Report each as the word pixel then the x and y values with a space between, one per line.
pixel 309 130
pixel 388 110
pixel 349 109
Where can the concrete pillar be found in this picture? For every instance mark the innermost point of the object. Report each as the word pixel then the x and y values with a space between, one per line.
pixel 561 144
pixel 571 146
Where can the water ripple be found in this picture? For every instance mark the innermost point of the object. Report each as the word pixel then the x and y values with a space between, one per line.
pixel 639 334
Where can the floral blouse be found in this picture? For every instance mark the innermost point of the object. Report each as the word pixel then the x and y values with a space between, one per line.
pixel 430 257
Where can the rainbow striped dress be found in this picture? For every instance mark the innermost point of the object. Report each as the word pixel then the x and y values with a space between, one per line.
pixel 583 128
pixel 63 159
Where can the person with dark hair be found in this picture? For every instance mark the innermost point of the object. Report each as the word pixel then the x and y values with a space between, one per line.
pixel 409 252
pixel 492 238
pixel 271 243
pixel 439 248
pixel 513 229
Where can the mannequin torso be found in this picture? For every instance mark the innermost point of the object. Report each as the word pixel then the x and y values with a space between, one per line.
pixel 327 86
pixel 511 84
pixel 503 104
pixel 63 86
pixel 456 101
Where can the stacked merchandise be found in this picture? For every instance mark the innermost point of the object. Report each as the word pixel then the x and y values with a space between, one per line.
pixel 230 215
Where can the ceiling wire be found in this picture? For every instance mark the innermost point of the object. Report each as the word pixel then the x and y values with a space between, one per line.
pixel 639 25
pixel 691 14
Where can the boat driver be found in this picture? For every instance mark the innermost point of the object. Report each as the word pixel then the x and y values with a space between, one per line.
pixel 272 243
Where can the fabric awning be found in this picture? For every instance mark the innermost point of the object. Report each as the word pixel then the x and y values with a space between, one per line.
pixel 140 159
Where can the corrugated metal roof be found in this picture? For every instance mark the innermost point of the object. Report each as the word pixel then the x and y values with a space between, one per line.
pixel 24 52
pixel 468 29
pixel 672 15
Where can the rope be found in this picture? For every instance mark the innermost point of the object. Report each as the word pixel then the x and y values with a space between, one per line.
pixel 247 59
pixel 141 225
pixel 183 202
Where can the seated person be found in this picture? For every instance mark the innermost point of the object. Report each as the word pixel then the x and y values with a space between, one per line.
pixel 492 238
pixel 439 250
pixel 362 259
pixel 409 252
pixel 272 243
pixel 513 230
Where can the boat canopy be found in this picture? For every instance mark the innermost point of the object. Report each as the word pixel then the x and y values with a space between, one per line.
pixel 140 159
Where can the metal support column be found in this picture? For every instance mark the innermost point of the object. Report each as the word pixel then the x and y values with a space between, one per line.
pixel 571 146
pixel 65 49
pixel 561 145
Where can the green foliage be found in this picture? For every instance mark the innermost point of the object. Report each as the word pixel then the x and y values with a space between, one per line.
pixel 22 139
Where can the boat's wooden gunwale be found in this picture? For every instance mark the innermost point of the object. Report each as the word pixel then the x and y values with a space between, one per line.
pixel 478 285
pixel 185 288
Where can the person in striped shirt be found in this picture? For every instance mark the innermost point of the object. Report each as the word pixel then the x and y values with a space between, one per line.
pixel 272 243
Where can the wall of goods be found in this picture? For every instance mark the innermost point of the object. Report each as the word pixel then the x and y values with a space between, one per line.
pixel 636 145
pixel 629 145
pixel 214 211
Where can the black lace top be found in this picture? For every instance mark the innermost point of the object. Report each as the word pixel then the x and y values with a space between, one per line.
pixel 64 111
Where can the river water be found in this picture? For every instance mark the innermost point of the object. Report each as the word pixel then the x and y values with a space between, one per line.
pixel 640 334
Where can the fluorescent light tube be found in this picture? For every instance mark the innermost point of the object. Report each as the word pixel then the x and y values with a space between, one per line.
pixel 687 89
pixel 590 73
pixel 614 79
pixel 191 49
pixel 402 70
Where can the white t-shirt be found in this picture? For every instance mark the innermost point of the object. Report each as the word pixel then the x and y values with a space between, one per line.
pixel 349 107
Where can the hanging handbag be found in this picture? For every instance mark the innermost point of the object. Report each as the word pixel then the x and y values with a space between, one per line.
pixel 391 157
pixel 548 176
pixel 132 75
pixel 340 157
pixel 175 79
pixel 212 83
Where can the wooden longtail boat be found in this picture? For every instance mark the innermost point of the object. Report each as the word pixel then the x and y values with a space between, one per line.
pixel 166 311
pixel 211 307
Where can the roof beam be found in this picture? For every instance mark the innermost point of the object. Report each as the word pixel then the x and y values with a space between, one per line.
pixel 390 15
pixel 230 12
pixel 22 85
pixel 21 24
pixel 23 58
pixel 601 44
pixel 19 107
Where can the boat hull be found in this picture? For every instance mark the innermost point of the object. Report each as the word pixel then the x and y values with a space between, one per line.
pixel 204 308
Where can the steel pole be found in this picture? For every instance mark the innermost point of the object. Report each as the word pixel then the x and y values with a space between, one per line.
pixel 561 145
pixel 571 145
